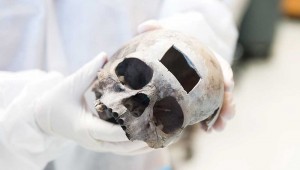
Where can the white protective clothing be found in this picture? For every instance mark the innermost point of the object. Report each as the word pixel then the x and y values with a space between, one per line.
pixel 61 36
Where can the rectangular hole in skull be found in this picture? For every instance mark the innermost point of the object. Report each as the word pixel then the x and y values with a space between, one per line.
pixel 181 67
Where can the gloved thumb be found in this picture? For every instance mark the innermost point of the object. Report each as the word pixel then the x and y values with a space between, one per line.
pixel 84 77
pixel 148 25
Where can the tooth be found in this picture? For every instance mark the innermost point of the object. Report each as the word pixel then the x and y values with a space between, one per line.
pixel 97 102
pixel 122 79
pixel 101 108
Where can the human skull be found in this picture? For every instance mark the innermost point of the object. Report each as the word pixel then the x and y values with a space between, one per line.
pixel 157 84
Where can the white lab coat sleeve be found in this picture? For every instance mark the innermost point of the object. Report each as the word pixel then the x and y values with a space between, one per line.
pixel 22 144
pixel 210 21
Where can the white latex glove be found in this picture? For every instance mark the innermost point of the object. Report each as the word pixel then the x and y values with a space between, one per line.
pixel 62 111
pixel 228 108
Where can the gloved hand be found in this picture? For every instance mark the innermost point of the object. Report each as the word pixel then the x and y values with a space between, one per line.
pixel 62 111
pixel 228 108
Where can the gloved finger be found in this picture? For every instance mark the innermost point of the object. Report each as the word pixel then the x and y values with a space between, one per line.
pixel 228 108
pixel 104 131
pixel 219 125
pixel 84 77
pixel 121 147
pixel 229 84
pixel 227 73
pixel 148 26
pixel 138 151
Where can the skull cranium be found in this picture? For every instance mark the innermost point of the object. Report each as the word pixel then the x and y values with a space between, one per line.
pixel 159 83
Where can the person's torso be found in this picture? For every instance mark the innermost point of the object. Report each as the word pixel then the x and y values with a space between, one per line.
pixel 63 35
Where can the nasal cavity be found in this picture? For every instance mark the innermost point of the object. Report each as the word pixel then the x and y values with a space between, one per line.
pixel 136 104
pixel 134 73
pixel 181 67
pixel 168 114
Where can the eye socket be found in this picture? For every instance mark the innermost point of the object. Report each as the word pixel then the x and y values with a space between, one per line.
pixel 134 73
pixel 168 113
pixel 181 67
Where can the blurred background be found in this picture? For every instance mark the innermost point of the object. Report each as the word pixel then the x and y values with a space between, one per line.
pixel 265 132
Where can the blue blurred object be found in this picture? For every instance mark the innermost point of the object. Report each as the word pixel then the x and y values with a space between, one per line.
pixel 166 168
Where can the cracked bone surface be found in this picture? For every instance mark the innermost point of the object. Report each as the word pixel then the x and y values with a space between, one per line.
pixel 157 84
